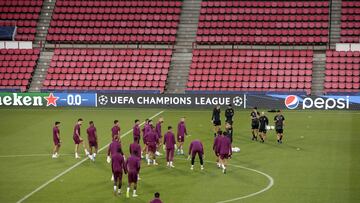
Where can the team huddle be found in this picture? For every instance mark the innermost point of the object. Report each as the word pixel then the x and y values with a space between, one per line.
pixel 153 140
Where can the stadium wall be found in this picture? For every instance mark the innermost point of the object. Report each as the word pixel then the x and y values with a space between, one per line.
pixel 239 101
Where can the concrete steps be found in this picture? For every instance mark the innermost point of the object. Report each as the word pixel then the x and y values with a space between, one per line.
pixel 44 23
pixel 318 74
pixel 335 23
pixel 182 55
pixel 40 71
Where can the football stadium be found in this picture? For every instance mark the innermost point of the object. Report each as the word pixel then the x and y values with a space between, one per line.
pixel 179 101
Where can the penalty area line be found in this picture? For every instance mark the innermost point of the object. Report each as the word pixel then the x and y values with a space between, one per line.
pixel 75 165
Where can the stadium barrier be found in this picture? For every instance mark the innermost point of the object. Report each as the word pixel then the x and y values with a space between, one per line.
pixel 239 101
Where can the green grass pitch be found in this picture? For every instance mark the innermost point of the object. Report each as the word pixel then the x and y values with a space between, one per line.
pixel 318 162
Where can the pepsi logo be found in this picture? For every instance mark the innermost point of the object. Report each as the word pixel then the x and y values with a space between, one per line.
pixel 291 102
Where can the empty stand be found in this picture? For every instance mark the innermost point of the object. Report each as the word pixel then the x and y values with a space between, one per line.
pixel 264 22
pixel 342 71
pixel 108 69
pixel 17 67
pixel 80 21
pixel 350 22
pixel 251 70
pixel 23 14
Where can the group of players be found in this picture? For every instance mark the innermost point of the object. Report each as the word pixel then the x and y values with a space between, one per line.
pixel 153 141
pixel 260 122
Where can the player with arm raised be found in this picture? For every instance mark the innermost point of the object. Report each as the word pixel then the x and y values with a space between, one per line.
pixel 215 118
pixel 92 138
pixel 133 168
pixel 78 139
pixel 181 136
pixel 56 139
pixel 169 142
pixel 254 123
pixel 196 148
pixel 118 168
pixel 279 120
pixel 224 150
pixel 263 121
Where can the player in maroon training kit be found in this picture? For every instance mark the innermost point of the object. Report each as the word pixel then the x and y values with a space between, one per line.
pixel 115 130
pixel 113 148
pixel 216 147
pixel 225 151
pixel 56 139
pixel 151 141
pixel 92 138
pixel 136 131
pixel 78 139
pixel 169 142
pixel 181 135
pixel 118 168
pixel 157 198
pixel 133 168
pixel 159 134
pixel 196 148
pixel 135 149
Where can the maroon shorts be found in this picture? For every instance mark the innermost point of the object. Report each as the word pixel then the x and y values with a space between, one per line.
pixel 93 144
pixel 152 147
pixel 224 156
pixel 180 138
pixel 132 177
pixel 56 142
pixel 117 174
pixel 76 139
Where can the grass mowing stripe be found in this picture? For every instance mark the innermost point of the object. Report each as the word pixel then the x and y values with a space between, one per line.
pixel 76 165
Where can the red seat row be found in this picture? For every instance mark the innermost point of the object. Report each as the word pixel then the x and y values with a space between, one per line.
pixel 153 22
pixel 350 22
pixel 14 3
pixel 17 67
pixel 263 22
pixel 243 70
pixel 342 72
pixel 108 69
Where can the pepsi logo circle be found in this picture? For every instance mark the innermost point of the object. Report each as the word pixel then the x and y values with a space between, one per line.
pixel 291 102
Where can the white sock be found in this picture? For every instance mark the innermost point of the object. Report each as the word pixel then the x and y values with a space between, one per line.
pixel 94 155
pixel 222 165
pixel 168 164
pixel 86 152
pixel 115 188
pixel 128 189
pixel 148 160
pixel 147 156
pixel 119 190
pixel 134 192
pixel 171 163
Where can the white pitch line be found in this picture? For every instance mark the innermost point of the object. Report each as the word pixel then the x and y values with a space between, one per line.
pixel 271 183
pixel 75 165
pixel 29 155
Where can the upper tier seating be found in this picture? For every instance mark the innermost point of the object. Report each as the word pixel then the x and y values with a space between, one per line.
pixel 264 22
pixel 251 70
pixel 108 69
pixel 151 22
pixel 350 21
pixel 342 72
pixel 17 67
pixel 23 14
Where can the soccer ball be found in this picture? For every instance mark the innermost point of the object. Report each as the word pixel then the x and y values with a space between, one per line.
pixel 103 100
pixel 237 101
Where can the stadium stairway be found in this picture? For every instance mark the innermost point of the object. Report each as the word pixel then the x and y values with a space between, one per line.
pixel 335 23
pixel 318 76
pixel 44 22
pixel 182 55
pixel 40 71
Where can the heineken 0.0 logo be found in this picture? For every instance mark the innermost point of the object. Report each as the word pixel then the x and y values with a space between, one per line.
pixel 26 99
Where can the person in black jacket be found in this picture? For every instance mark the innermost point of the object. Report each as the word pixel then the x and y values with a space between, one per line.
pixel 229 113
pixel 215 118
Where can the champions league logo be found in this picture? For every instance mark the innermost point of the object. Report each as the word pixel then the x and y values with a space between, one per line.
pixel 291 102
pixel 237 101
pixel 103 100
